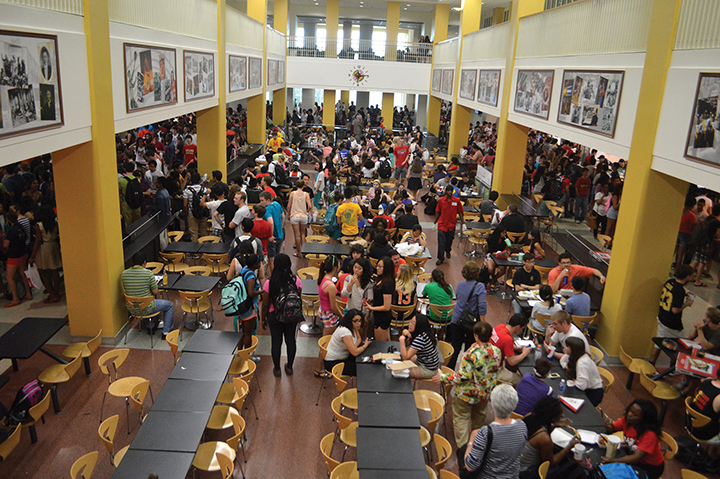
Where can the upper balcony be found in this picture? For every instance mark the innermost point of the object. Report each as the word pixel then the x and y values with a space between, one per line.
pixel 405 52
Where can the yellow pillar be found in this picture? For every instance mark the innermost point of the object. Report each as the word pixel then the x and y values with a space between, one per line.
pixel 433 115
pixel 512 138
pixel 257 9
pixel 440 22
pixel 211 122
pixel 460 117
pixel 92 241
pixel 280 95
pixel 332 18
pixel 345 98
pixel 329 108
pixel 635 278
pixel 392 28
pixel 498 15
pixel 388 102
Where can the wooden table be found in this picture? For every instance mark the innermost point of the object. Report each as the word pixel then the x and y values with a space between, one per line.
pixel 27 337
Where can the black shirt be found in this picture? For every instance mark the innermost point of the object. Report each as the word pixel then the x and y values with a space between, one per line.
pixel 673 296
pixel 513 223
pixel 16 236
pixel 407 221
pixel 382 318
pixel 487 207
pixel 379 252
pixel 523 277
pixel 228 209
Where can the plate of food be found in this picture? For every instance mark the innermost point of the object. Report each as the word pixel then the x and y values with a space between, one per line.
pixel 670 344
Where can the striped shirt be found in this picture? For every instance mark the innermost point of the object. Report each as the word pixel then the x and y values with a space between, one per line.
pixel 427 352
pixel 139 282
pixel 504 455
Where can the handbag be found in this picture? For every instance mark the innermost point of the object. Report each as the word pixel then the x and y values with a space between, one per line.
pixel 591 220
pixel 467 318
pixel 464 473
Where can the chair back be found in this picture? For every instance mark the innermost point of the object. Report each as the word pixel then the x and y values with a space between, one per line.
pixel 337 371
pixel 400 313
pixel 209 239
pixel 199 270
pixel 342 303
pixel 216 262
pixel 323 343
pixel 583 322
pixel 446 386
pixel 83 467
pixel 195 299
pixel 226 465
pixel 172 340
pixel 672 443
pixel 326 445
pixel 106 431
pixel 373 262
pixel 245 353
pixel 444 450
pixel 10 443
pixel 693 418
pixel 424 278
pixel 241 390
pixel 238 426
pixel 310 272
pixel 137 305
pixel 625 358
pixel 311 304
pixel 416 264
pixel 543 469
pixel 597 354
pixel 608 378
pixel 72 367
pixel 172 258
pixel 647 382
pixel 343 422
pixel 446 350
pixel 175 236
pixel 436 412
pixel 688 474
pixel 317 239
pixel 401 232
pixel 37 411
pixel 515 415
pixel 443 312
pixel 445 474
pixel 316 260
pixel 111 361
pixel 154 266
pixel 346 470
pixel 137 395
pixel 515 237
pixel 94 343
pixel 543 319
pixel 544 273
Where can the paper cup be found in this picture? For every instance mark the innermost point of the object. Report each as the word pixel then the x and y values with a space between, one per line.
pixel 571 383
pixel 579 452
pixel 613 443
pixel 551 352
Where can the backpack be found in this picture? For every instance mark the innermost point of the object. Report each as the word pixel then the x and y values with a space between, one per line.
pixel 28 396
pixel 696 457
pixel 417 166
pixel 235 247
pixel 330 220
pixel 281 175
pixel 699 235
pixel 430 206
pixel 554 190
pixel 384 170
pixel 288 305
pixel 133 193
pixel 235 299
pixel 198 211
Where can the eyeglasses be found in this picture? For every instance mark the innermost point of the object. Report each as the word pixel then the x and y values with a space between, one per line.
pixel 357 321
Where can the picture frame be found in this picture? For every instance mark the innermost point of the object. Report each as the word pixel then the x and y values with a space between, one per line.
pixel 281 72
pixel 199 69
pixel 447 82
pixel 255 75
pixel 468 81
pixel 237 71
pixel 590 100
pixel 272 72
pixel 436 80
pixel 489 87
pixel 30 92
pixel 146 67
pixel 703 139
pixel 533 92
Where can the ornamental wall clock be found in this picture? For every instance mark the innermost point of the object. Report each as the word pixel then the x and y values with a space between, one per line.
pixel 358 75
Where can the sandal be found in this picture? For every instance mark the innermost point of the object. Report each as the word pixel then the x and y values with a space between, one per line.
pixel 322 374
pixel 10 305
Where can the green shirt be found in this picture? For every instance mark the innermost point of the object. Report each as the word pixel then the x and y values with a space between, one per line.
pixel 437 295
pixel 122 185
pixel 139 282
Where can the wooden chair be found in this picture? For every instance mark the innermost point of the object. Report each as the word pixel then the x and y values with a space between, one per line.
pixel 543 319
pixel 446 350
pixel 226 465
pixel 175 236
pixel 136 307
pixel 436 412
pixel 245 368
pixel 154 266
pixel 318 230
pixel 373 262
pixel 173 262
pixel 515 238
pixel 445 474
pixel 477 238
pixel 583 323
pixel 441 311
pixel 58 374
pixel 323 343
pixel 83 467
pixel 604 240
pixel 234 393
pixel 315 260
pixel 515 415
pixel 199 270
pixel 308 273
pixel 544 273
pixel 37 413
pixel 172 340
pixel 311 309
pixel 209 239
pixel 416 264
pixel 195 303
pixel 443 449
pixel 85 349
pixel 218 263
pixel 221 417
pixel 672 449
pixel 660 390
pixel 348 397
pixel 424 278
pixel 208 456
pixel 7 446
pixel 608 378
pixel 635 366
pixel 423 395
pixel 474 201
pixel 349 239
pixel 317 239
pixel 401 232
pixel 137 396
pixel 543 469
pixel 694 420
pixel 110 363
pixel 401 315
pixel 106 431
pixel 346 427
pixel 346 470
pixel 597 354
pixel 487 218
pixel 326 445
pixel 688 474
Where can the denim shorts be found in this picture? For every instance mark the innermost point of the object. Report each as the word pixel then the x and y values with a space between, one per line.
pixel 274 248
pixel 683 239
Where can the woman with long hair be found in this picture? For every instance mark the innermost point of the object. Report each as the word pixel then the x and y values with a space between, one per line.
pixel 440 293
pixel 382 298
pixel 299 206
pixel 330 311
pixel 250 263
pixel 46 252
pixel 418 343
pixel 17 257
pixel 281 282
pixel 359 285
pixel 581 368
pixel 546 307
pixel 347 342
pixel 641 428
pixel 534 241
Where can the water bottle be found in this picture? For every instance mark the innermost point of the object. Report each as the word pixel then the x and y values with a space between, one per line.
pixel 538 353
pixel 562 386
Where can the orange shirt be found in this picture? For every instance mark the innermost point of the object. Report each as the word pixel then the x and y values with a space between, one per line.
pixel 575 270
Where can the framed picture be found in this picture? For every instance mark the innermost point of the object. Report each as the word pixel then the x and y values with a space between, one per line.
pixel 199 75
pixel 488 87
pixel 238 73
pixel 30 96
pixel 590 100
pixel 447 82
pixel 272 72
pixel 703 142
pixel 150 77
pixel 468 78
pixel 281 72
pixel 255 72
pixel 533 92
pixel 436 80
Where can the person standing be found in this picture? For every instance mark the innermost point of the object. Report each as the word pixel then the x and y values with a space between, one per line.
pixel 197 220
pixel 46 252
pixel 582 190
pixel 401 151
pixel 274 215
pixel 471 297
pixel 348 215
pixel 299 207
pixel 673 301
pixel 17 257
pixel 448 209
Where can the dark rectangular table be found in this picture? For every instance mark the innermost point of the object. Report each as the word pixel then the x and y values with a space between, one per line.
pixel 164 464
pixel 309 286
pixel 378 347
pixel 190 282
pixel 171 280
pixel 28 336
pixel 394 410
pixel 325 248
pixel 170 431
pixel 182 247
pixel 514 262
pixel 525 206
pixel 376 378
pixel 213 342
pixel 180 395
pixel 392 474
pixel 144 234
pixel 580 249
pixel 474 225
pixel 200 366
pixel 214 248
pixel 388 448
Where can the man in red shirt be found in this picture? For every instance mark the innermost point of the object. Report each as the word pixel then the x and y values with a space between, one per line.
pixel 401 152
pixel 265 182
pixel 189 151
pixel 448 209
pixel 261 228
pixel 582 191
pixel 687 223
pixel 503 338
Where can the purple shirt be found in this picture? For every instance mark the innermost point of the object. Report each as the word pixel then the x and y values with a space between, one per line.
pixel 530 390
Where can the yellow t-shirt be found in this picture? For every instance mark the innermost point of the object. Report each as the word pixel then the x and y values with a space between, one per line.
pixel 349 213
pixel 274 143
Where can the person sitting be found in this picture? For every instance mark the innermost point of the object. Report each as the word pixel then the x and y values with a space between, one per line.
pixel 641 428
pixel 397 260
pixel 546 306
pixel 418 343
pixel 582 369
pixel 379 227
pixel 408 220
pixel 347 342
pixel 139 282
pixel 579 303
pixel 526 278
pixel 405 287
pixel 380 247
pixel 534 241
pixel 562 328
pixel 356 251
pixel 503 337
pixel 532 387
pixel 706 332
pixel 561 276
pixel 706 401
pixel 381 214
pixel 513 221
pixel 438 292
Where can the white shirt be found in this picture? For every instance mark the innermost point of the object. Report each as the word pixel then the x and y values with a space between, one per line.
pixel 587 375
pixel 336 348
pixel 559 338
pixel 213 206
pixel 242 213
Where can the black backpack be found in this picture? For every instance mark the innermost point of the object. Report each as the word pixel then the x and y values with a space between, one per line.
pixel 554 190
pixel 700 234
pixel 133 193
pixel 198 211
pixel 281 175
pixel 385 170
pixel 430 206
pixel 288 306
pixel 28 396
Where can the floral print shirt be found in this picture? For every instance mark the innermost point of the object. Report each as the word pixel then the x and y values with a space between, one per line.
pixel 479 368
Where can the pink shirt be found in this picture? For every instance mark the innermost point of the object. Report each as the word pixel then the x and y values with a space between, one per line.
pixel 266 288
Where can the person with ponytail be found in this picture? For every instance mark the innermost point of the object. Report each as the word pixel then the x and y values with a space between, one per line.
pixel 330 312
pixel 382 298
pixel 250 263
pixel 418 343
pixel 440 293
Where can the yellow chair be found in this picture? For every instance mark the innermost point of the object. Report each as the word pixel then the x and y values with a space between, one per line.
pixel 10 443
pixel 322 343
pixel 136 307
pixel 584 322
pixel 422 397
pixel 209 239
pixel 478 238
pixel 85 349
pixel 243 367
pixel 373 262
pixel 173 262
pixel 84 467
pixel 346 470
pixel 318 229
pixel 198 270
pixel 401 232
pixel 445 474
pixel 234 393
pixel 604 240
pixel 227 467
pixel 443 449
pixel 400 315
pixel 416 264
pixel 688 474
pixel 172 340
pixel 443 312
pixel 308 273
pixel 221 417
pixel 515 238
pixel 543 319
pixel 195 303
pixel 446 350
pixel 424 278
pixel 672 445
pixel 326 445
pixel 694 420
pixel 544 273
pixel 348 397
pixel 316 260
pixel 543 469
pixel 635 366
pixel 346 426
pixel 106 431
pixel 57 374
pixel 660 390
pixel 175 236
pixel 349 239
pixel 137 396
pixel 608 378
pixel 436 412
pixel 218 263
pixel 342 303
pixel 597 354
pixel 37 412
pixel 154 266
pixel 515 415
pixel 311 309
pixel 317 239
pixel 109 364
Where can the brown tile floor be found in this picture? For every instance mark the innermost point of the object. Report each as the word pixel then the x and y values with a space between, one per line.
pixel 284 441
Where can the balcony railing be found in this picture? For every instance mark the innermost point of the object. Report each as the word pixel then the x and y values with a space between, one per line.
pixel 360 50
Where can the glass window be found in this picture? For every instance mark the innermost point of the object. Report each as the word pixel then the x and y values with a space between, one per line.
pixel 402 41
pixel 300 37
pixel 378 43
pixel 355 39
pixel 320 35
pixel 297 96
pixel 319 96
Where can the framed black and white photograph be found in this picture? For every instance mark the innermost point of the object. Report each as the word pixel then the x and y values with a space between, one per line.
pixel 447 82
pixel 199 75
pixel 272 72
pixel 488 87
pixel 30 96
pixel 590 100
pixel 255 72
pixel 533 92
pixel 238 73
pixel 468 79
pixel 436 80
pixel 150 77
pixel 281 72
pixel 703 142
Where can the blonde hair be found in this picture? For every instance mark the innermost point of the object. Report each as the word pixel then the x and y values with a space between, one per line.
pixel 405 281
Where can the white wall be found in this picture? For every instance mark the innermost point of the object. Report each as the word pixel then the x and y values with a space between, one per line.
pixel 74 83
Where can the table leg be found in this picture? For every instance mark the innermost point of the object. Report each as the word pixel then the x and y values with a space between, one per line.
pixel 86 361
pixel 15 365
pixel 631 376
pixel 53 355
pixel 669 370
pixel 55 400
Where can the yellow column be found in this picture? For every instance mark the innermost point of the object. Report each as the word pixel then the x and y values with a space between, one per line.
pixel 433 115
pixel 211 122
pixel 392 28
pixel 498 15
pixel 329 108
pixel 280 95
pixel 512 138
pixel 635 278
pixel 345 98
pixel 257 9
pixel 460 118
pixel 92 241
pixel 332 18
pixel 388 102
pixel 440 29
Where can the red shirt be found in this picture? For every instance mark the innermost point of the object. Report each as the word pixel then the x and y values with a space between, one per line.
pixel 401 154
pixel 271 191
pixel 263 231
pixel 397 268
pixel 582 187
pixel 504 341
pixel 648 443
pixel 390 221
pixel 189 153
pixel 687 222
pixel 448 213
pixel 260 175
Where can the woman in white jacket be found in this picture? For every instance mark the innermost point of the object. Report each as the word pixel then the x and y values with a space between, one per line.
pixel 581 368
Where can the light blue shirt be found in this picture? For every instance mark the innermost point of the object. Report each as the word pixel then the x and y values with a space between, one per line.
pixel 578 305
pixel 274 210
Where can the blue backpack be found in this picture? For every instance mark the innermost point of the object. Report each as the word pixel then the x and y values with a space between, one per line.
pixel 235 299
pixel 330 221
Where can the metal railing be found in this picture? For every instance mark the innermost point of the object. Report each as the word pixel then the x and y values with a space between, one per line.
pixel 360 50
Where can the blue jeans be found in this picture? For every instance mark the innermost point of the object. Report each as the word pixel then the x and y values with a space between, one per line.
pixel 168 309
pixel 581 208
